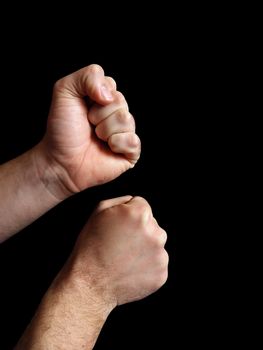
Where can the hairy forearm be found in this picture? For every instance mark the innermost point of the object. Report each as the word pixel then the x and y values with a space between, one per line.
pixel 28 188
pixel 69 317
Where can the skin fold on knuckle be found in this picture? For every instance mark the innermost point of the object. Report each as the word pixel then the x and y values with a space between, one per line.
pixel 120 122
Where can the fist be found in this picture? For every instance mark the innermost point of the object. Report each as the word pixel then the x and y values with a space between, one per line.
pixel 90 136
pixel 120 252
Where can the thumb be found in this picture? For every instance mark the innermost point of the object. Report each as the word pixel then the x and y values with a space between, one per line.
pixel 109 203
pixel 89 81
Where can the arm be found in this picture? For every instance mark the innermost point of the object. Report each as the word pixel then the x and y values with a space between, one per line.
pixel 119 257
pixel 23 195
pixel 70 317
pixel 82 147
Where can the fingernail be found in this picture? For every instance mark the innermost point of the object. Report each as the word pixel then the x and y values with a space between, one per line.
pixel 105 93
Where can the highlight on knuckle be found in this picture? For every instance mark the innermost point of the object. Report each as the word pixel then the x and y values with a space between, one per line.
pixel 144 213
pixel 140 211
pixel 122 116
pixel 94 69
pixel 133 213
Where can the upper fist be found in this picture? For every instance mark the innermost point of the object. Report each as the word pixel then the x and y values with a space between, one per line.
pixel 87 144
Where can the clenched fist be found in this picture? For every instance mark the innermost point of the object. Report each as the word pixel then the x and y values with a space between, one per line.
pixel 90 136
pixel 120 252
pixel 119 257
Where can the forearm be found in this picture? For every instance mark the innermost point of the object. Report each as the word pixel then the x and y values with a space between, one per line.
pixel 69 317
pixel 28 188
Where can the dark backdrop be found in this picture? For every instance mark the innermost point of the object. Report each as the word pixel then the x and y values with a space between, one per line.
pixel 169 94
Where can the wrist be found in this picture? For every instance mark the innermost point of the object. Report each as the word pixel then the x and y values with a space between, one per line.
pixel 49 173
pixel 70 316
pixel 90 286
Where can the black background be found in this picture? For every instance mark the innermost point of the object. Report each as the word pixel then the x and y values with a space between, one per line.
pixel 167 80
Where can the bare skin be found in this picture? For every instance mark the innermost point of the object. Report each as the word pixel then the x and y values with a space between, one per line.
pixel 72 156
pixel 119 256
pixel 114 262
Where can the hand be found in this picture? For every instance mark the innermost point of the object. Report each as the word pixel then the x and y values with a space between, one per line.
pixel 119 257
pixel 79 156
pixel 120 252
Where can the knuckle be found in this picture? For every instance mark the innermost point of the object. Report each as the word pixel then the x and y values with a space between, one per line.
pixel 113 141
pixel 145 214
pixel 159 238
pixel 98 131
pixel 160 279
pixel 134 141
pixel 143 208
pixel 112 81
pixel 93 69
pixel 140 211
pixel 161 260
pixel 164 259
pixel 133 212
pixel 119 97
pixel 162 237
pixel 140 200
pixel 137 141
pixel 163 277
pixel 137 213
pixel 59 84
pixel 123 116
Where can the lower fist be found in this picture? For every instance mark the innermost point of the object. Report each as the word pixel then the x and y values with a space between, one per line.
pixel 120 252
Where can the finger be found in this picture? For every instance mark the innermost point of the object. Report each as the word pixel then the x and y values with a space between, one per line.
pixel 159 233
pixel 98 113
pixel 128 144
pixel 164 260
pixel 161 236
pixel 139 201
pixel 143 209
pixel 89 81
pixel 109 203
pixel 112 83
pixel 119 121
